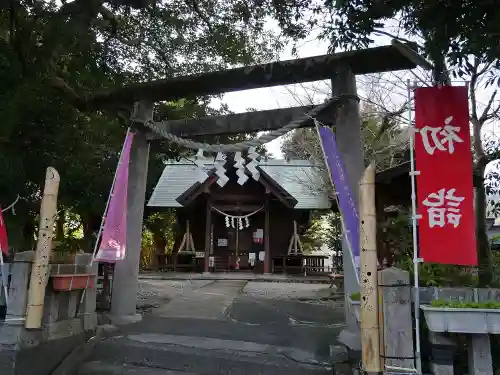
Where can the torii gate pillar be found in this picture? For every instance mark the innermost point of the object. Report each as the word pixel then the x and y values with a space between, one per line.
pixel 123 301
pixel 350 143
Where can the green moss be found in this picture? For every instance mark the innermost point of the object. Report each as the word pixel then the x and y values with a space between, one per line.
pixel 356 296
pixel 466 304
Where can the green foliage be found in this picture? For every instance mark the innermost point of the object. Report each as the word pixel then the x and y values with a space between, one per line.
pixel 466 304
pixel 52 54
pixel 312 238
pixel 355 296
pixel 332 234
pixel 456 29
pixel 443 275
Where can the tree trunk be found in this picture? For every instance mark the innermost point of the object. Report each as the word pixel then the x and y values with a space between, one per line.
pixel 61 220
pixel 89 228
pixel 29 230
pixel 482 241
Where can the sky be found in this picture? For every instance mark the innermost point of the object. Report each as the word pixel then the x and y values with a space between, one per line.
pixel 295 95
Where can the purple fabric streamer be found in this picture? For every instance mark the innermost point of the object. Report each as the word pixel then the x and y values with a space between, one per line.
pixel 346 202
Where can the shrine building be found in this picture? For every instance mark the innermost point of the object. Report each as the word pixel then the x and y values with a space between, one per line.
pixel 252 223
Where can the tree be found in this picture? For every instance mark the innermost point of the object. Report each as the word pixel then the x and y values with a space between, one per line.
pixel 385 145
pixel 451 31
pixel 57 53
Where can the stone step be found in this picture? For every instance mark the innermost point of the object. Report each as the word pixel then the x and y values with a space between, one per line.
pixel 152 354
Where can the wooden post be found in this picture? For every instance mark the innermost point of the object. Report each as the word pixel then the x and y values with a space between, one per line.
pixel 208 235
pixel 267 253
pixel 40 268
pixel 370 340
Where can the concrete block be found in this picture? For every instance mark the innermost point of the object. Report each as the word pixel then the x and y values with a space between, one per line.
pixel 83 259
pixel 480 361
pixel 89 321
pixel 64 299
pixel 51 307
pixel 73 301
pixel 18 289
pixel 63 329
pixel 25 256
pixel 125 319
pixel 10 334
pixel 443 351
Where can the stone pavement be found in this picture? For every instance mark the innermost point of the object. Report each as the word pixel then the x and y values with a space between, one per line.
pixel 223 327
pixel 244 276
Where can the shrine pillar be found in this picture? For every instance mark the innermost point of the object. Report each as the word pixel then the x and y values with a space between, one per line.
pixel 208 236
pixel 350 143
pixel 125 278
pixel 267 250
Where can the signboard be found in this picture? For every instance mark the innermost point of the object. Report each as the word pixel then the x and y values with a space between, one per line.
pixel 346 202
pixel 444 185
pixel 251 259
pixel 222 242
pixel 200 254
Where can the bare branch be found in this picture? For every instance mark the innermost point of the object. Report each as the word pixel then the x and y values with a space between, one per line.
pixel 486 115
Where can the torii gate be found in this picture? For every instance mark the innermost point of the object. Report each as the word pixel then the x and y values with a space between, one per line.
pixel 340 68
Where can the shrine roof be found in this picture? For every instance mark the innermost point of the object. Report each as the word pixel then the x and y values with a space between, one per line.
pixel 300 178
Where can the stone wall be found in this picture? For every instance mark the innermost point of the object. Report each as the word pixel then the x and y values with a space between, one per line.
pixel 65 324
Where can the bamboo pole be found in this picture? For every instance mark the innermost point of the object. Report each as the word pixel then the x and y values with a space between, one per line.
pixel 40 268
pixel 370 339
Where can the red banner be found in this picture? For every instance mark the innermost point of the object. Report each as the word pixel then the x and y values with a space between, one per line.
pixel 444 186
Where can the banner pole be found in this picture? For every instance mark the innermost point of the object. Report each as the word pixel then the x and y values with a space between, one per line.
pixel 5 279
pixel 416 259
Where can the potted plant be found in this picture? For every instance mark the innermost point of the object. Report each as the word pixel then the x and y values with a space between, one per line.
pixel 64 252
pixel 355 302
pixel 463 316
pixel 66 275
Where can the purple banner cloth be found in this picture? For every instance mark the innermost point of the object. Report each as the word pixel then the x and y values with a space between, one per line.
pixel 338 177
pixel 114 235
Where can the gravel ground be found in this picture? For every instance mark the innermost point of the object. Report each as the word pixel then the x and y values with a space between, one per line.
pixel 151 293
pixel 287 290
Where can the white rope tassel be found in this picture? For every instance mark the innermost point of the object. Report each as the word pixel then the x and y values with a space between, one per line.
pixel 240 168
pixel 227 222
pixel 200 172
pixel 240 223
pixel 220 171
pixel 247 222
pixel 252 166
